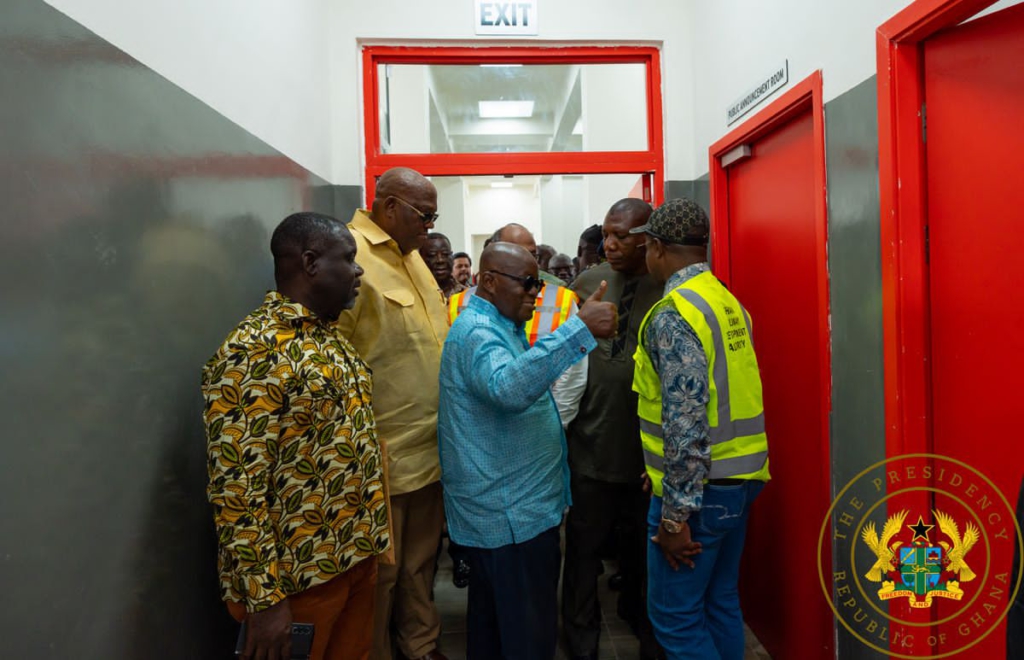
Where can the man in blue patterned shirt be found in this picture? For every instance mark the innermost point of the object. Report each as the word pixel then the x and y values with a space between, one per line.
pixel 702 430
pixel 503 452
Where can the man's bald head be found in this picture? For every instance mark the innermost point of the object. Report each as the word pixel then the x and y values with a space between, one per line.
pixel 498 256
pixel 518 235
pixel 404 206
pixel 400 181
pixel 507 280
pixel 637 210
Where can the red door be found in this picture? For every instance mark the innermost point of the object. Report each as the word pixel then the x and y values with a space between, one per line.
pixel 774 262
pixel 974 145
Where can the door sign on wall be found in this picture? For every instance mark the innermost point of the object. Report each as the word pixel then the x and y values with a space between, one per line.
pixel 771 83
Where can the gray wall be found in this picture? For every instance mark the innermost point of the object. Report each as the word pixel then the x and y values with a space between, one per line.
pixel 340 201
pixel 134 235
pixel 855 279
pixel 699 190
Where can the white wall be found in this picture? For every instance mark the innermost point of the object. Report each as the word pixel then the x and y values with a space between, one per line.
pixel 562 207
pixel 452 217
pixel 738 42
pixel 290 72
pixel 601 192
pixel 409 110
pixel 488 208
pixel 614 107
pixel 264 64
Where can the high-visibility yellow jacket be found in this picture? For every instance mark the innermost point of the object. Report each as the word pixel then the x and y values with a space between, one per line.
pixel 735 409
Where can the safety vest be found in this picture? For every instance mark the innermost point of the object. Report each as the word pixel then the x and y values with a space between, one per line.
pixel 735 409
pixel 553 307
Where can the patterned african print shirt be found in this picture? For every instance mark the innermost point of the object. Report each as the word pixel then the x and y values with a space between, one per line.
pixel 294 464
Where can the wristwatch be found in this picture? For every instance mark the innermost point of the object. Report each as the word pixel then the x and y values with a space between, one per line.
pixel 671 526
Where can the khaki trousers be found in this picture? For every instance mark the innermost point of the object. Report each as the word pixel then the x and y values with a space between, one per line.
pixel 341 610
pixel 405 589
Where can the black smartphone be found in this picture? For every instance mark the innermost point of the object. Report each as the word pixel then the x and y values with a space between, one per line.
pixel 302 640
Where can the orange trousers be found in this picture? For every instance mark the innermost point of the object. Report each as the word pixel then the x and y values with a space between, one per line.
pixel 341 611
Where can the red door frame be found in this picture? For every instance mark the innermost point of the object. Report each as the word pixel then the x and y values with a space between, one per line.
pixel 805 94
pixel 648 162
pixel 902 185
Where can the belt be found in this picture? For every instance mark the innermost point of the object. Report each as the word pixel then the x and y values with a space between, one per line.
pixel 726 482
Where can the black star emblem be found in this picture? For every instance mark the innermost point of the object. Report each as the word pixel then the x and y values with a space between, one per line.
pixel 920 530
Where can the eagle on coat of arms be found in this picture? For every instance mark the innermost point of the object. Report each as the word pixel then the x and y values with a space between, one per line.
pixel 920 565
pixel 960 547
pixel 880 546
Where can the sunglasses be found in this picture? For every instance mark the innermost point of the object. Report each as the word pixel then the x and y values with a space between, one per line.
pixel 427 218
pixel 529 282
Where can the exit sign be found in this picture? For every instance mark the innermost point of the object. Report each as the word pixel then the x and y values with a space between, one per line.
pixel 506 18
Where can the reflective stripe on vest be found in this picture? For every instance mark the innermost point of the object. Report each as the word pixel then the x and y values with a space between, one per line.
pixel 738 446
pixel 456 305
pixel 547 316
pixel 727 428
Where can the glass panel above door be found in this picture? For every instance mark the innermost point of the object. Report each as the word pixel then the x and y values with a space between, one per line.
pixel 439 108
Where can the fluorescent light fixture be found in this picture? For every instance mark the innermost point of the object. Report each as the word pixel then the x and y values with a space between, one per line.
pixel 495 66
pixel 501 184
pixel 578 128
pixel 505 109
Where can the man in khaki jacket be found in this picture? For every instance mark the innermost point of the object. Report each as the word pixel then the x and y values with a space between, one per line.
pixel 398 325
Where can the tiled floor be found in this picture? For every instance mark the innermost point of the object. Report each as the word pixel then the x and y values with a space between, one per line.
pixel 617 642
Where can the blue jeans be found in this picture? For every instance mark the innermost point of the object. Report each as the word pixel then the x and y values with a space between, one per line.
pixel 696 611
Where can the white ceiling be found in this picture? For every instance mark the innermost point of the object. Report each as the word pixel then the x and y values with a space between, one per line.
pixel 457 90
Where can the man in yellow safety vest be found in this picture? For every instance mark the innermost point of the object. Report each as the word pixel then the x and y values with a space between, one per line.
pixel 702 430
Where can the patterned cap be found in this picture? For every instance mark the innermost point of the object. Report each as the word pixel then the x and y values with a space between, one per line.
pixel 681 221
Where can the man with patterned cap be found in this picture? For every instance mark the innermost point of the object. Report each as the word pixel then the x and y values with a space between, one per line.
pixel 702 430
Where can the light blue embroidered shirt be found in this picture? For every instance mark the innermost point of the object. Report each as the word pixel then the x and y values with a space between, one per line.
pixel 503 452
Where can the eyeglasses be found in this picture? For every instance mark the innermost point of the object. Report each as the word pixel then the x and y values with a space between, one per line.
pixel 529 282
pixel 427 218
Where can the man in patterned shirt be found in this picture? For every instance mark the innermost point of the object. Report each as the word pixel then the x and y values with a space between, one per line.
pixel 705 449
pixel 295 468
pixel 503 452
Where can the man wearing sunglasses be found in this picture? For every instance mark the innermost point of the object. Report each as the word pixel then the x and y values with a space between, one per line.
pixel 555 304
pixel 503 452
pixel 398 325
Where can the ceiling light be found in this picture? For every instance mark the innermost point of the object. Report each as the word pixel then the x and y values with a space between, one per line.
pixel 505 109
pixel 501 184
